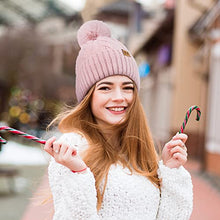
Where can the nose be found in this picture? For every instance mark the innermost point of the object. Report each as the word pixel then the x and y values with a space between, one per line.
pixel 117 95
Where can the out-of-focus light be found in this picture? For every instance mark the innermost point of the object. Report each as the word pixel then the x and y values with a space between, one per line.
pixel 151 2
pixel 75 4
pixel 144 69
pixel 15 111
pixel 24 118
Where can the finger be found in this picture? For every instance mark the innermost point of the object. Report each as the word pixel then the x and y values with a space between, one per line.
pixel 178 149
pixel 71 151
pixel 48 147
pixel 64 147
pixel 185 148
pixel 181 158
pixel 174 143
pixel 75 150
pixel 75 147
pixel 56 147
pixel 178 143
pixel 180 136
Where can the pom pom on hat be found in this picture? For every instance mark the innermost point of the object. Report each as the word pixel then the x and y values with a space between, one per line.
pixel 91 30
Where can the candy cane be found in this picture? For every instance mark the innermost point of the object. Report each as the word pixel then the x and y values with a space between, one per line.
pixel 188 114
pixel 14 131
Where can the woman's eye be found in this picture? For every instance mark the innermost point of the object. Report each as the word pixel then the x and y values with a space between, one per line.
pixel 129 88
pixel 104 88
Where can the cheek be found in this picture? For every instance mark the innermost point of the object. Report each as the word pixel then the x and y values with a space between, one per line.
pixel 97 102
pixel 130 98
pixel 93 104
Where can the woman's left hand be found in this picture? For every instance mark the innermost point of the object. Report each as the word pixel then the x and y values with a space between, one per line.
pixel 174 153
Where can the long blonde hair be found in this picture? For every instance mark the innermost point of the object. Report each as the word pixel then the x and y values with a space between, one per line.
pixel 135 148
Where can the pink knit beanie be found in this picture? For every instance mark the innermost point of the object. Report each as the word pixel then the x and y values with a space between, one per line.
pixel 101 56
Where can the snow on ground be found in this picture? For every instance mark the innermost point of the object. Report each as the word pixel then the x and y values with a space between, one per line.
pixel 18 154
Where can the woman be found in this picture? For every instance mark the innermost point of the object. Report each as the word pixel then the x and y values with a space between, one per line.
pixel 105 165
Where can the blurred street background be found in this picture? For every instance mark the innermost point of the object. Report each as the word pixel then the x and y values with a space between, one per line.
pixel 176 44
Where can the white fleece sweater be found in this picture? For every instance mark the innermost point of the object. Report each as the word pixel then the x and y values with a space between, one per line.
pixel 127 197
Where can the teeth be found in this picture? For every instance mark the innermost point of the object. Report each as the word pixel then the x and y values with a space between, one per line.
pixel 117 109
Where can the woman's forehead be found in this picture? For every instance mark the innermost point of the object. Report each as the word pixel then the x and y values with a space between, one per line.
pixel 116 78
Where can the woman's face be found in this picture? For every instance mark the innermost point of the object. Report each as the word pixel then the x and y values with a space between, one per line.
pixel 111 98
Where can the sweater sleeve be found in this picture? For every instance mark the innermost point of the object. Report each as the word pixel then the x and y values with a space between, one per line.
pixel 74 194
pixel 176 193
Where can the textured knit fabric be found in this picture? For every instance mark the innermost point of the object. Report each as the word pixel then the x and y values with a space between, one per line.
pixel 101 56
pixel 127 197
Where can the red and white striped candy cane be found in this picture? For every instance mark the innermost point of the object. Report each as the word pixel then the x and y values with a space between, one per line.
pixel 14 131
pixel 194 107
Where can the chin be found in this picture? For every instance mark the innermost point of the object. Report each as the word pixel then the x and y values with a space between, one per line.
pixel 116 122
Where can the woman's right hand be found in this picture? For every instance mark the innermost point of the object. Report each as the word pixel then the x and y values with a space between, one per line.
pixel 64 154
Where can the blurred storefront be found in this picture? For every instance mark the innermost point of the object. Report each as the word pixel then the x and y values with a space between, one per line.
pixel 206 33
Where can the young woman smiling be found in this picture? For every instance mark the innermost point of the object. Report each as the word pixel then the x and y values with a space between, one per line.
pixel 111 98
pixel 105 165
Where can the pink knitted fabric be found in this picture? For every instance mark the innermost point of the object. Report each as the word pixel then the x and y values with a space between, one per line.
pixel 101 56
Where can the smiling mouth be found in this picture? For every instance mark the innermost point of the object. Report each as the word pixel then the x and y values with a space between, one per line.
pixel 117 109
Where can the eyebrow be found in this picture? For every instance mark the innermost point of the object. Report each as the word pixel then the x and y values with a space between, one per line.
pixel 110 83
